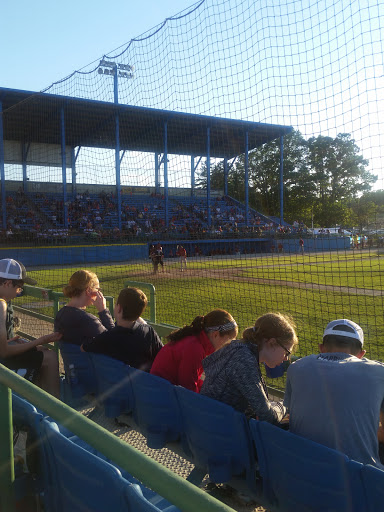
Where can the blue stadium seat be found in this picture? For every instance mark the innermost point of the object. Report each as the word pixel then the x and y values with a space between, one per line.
pixel 156 410
pixel 113 385
pixel 80 379
pixel 216 436
pixel 27 418
pixel 85 482
pixel 373 482
pixel 300 475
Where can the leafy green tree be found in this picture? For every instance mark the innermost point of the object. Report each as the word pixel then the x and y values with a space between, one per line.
pixel 322 177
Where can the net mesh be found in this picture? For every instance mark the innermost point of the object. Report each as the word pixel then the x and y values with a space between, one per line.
pixel 314 66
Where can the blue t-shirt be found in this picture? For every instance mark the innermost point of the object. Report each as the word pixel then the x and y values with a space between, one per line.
pixel 335 399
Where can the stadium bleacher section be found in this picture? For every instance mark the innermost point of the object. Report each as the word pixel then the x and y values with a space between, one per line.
pixel 39 217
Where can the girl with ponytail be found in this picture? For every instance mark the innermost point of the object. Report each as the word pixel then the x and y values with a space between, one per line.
pixel 180 360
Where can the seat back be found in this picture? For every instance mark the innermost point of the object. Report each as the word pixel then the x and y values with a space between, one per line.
pixel 156 410
pixel 301 475
pixel 27 418
pixel 216 436
pixel 79 374
pixel 113 385
pixel 84 482
pixel 373 482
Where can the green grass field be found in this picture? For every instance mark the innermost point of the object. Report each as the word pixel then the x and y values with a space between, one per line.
pixel 312 288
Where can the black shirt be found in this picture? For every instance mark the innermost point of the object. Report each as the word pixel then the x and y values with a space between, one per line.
pixel 136 346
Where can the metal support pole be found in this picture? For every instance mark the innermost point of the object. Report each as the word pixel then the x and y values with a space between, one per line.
pixel 24 153
pixel 225 176
pixel 246 181
pixel 2 171
pixel 157 173
pixel 7 471
pixel 64 168
pixel 208 176
pixel 165 157
pixel 117 146
pixel 73 162
pixel 192 175
pixel 117 166
pixel 281 180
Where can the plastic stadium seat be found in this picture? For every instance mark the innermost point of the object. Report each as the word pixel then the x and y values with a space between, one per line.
pixel 156 410
pixel 80 379
pixel 26 418
pixel 84 482
pixel 216 436
pixel 150 495
pixel 300 475
pixel 113 385
pixel 373 482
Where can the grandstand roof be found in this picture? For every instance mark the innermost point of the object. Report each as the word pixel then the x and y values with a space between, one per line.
pixel 35 117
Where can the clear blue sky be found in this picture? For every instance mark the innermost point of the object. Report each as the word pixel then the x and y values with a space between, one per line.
pixel 42 42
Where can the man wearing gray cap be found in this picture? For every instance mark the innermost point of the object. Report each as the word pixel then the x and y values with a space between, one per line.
pixel 336 398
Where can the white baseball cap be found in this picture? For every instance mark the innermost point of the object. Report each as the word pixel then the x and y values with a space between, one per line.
pixel 344 327
pixel 12 269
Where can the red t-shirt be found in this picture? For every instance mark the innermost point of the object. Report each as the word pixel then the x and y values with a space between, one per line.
pixel 181 362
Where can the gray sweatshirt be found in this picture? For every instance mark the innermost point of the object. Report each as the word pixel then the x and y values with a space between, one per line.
pixel 232 376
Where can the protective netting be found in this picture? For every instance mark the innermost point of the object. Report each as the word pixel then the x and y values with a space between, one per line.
pixel 315 66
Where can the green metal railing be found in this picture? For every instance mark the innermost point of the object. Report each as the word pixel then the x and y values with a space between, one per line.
pixel 172 487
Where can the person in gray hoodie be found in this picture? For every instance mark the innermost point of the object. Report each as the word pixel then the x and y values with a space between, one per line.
pixel 233 376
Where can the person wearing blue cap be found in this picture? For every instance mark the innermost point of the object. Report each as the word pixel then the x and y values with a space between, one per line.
pixel 15 353
pixel 336 398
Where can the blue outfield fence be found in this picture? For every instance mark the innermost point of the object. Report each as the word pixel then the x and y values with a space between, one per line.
pixel 82 255
pixel 64 255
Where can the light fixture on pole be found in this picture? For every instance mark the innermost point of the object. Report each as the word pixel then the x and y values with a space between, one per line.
pixel 107 67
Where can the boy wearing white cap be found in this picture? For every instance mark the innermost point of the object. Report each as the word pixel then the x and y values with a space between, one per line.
pixel 336 398
pixel 41 365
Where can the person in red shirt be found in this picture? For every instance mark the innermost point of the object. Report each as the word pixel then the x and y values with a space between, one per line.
pixel 180 360
pixel 182 254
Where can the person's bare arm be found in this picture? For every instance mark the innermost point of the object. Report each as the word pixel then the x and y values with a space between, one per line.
pixel 7 350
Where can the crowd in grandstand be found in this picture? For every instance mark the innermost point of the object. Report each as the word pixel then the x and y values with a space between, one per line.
pixel 95 216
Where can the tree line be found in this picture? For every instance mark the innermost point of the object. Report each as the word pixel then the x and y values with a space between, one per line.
pixel 325 180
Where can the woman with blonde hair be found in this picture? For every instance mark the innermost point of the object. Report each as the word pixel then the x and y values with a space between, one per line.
pixel 233 374
pixel 76 325
pixel 180 361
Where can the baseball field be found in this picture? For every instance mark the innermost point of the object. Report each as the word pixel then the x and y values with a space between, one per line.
pixel 313 288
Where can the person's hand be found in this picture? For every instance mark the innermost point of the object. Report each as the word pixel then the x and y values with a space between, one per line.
pixel 100 302
pixel 16 340
pixel 49 338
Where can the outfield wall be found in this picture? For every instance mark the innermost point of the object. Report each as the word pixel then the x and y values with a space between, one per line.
pixel 75 255
pixel 257 245
pixel 89 254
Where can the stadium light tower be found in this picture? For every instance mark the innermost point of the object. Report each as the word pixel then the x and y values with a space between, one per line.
pixel 117 70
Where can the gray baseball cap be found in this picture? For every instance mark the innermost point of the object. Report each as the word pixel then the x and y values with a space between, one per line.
pixel 12 269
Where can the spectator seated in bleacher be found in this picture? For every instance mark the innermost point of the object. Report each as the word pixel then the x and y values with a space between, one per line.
pixel 233 375
pixel 336 398
pixel 76 325
pixel 16 353
pixel 131 340
pixel 180 361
